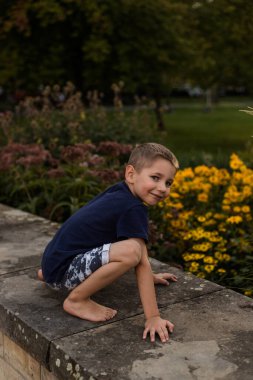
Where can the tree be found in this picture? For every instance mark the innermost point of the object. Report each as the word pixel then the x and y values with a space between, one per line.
pixel 222 31
pixel 150 47
pixel 46 40
pixel 94 43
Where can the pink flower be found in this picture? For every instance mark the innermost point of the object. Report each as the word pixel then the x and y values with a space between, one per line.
pixel 77 152
pixel 106 175
pixel 113 148
pixel 25 155
pixel 56 173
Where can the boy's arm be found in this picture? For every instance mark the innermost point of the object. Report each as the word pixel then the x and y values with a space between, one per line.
pixel 145 280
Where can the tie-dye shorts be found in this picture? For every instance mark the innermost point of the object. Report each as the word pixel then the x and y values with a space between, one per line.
pixel 82 266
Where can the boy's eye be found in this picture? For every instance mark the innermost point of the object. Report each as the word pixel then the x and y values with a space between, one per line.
pixel 155 178
pixel 169 183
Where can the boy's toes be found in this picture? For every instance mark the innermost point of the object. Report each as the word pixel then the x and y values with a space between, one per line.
pixel 40 275
pixel 110 313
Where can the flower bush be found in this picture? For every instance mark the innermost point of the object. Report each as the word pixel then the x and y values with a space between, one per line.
pixel 205 225
pixel 61 116
pixel 56 153
pixel 33 179
pixel 208 222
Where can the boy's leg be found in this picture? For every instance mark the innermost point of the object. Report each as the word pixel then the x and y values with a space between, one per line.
pixel 124 255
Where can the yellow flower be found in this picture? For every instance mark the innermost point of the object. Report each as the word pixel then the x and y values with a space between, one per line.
pixel 187 236
pixel 186 257
pixel 215 180
pixel 202 197
pixel 201 275
pixel 187 173
pixel 218 255
pixel 174 195
pixel 194 266
pixel 246 192
pixel 202 247
pixel 184 189
pixel 209 268
pixel 177 205
pixel 235 162
pixel 202 170
pixel 219 216
pixel 201 219
pixel 237 209
pixel 221 270
pixel 245 209
pixel 215 239
pixel 248 293
pixel 197 256
pixel 210 222
pixel 208 260
pixel 178 223
pixel 226 257
pixel 234 219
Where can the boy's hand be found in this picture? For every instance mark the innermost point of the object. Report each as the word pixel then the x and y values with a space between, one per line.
pixel 160 326
pixel 162 278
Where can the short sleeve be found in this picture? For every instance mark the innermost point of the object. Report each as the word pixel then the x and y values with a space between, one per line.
pixel 133 223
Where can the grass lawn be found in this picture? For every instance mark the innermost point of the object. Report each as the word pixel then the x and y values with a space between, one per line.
pixel 194 134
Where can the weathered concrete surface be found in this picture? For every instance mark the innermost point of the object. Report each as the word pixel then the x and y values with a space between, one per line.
pixel 213 338
pixel 22 239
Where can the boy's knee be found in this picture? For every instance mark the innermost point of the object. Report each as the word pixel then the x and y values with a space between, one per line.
pixel 134 252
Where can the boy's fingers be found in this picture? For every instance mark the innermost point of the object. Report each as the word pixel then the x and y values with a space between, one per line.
pixel 170 326
pixel 171 277
pixel 163 333
pixel 145 333
pixel 152 335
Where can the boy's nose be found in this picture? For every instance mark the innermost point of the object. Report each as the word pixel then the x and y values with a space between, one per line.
pixel 162 187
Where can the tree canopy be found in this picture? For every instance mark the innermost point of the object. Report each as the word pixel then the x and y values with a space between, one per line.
pixel 151 45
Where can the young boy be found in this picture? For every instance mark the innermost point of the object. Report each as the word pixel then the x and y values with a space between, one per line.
pixel 108 236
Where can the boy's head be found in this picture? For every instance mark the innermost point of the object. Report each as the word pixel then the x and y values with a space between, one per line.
pixel 150 172
pixel 145 154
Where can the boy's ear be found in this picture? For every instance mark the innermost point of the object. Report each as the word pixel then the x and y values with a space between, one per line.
pixel 129 173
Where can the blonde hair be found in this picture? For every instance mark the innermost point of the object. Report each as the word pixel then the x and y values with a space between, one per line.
pixel 145 154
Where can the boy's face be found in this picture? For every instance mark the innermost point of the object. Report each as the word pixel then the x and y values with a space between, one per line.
pixel 152 184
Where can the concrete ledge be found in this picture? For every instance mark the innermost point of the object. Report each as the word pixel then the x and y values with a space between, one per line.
pixel 213 338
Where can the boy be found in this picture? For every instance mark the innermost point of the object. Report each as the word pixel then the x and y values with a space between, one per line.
pixel 108 236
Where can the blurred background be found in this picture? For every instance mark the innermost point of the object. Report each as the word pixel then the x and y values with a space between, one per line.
pixel 188 61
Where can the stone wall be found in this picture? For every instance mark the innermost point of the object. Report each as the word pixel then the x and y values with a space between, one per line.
pixel 213 336
pixel 17 364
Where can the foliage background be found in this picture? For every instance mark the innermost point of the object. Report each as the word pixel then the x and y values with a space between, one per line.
pixel 152 45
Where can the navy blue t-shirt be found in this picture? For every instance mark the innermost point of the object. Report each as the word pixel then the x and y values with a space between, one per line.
pixel 114 215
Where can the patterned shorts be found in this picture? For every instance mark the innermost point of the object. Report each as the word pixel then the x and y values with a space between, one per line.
pixel 82 266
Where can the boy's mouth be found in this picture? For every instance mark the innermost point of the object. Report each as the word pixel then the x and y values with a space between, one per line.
pixel 156 196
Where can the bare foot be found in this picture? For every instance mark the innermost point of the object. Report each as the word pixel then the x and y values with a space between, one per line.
pixel 88 310
pixel 40 275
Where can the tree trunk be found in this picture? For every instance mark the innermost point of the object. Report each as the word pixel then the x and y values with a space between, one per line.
pixel 209 103
pixel 158 112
